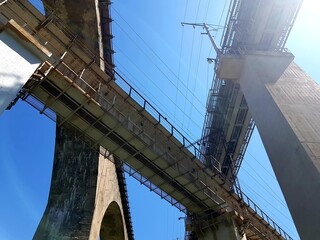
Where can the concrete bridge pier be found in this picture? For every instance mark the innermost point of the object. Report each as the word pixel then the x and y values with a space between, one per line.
pixel 221 227
pixel 84 200
pixel 286 110
pixel 87 193
pixel 284 102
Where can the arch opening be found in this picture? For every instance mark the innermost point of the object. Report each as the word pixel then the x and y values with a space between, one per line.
pixel 112 225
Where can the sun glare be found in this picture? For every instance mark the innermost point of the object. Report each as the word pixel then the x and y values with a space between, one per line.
pixel 311 8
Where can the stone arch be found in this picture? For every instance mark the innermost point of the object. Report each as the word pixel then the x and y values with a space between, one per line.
pixel 112 227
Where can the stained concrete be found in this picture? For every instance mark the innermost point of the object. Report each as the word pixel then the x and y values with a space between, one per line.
pixel 81 17
pixel 90 20
pixel 84 187
pixel 85 200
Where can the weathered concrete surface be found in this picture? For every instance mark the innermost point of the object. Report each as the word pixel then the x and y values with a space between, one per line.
pixel 287 112
pixel 90 20
pixel 224 227
pixel 108 215
pixel 81 17
pixel 84 191
pixel 85 200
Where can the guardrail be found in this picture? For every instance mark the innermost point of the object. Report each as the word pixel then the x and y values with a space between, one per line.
pixel 257 210
pixel 147 106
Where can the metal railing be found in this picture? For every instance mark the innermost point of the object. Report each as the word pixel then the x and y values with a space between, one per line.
pixel 257 210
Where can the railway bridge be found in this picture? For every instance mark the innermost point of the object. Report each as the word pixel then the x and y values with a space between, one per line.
pixel 73 82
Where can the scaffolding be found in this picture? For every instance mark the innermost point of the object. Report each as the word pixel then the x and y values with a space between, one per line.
pixel 228 123
pixel 273 18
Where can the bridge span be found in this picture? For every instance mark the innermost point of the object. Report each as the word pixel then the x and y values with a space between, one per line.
pixel 116 117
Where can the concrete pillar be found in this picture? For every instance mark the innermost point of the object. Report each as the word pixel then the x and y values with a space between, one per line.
pixel 222 227
pixel 81 18
pixel 90 20
pixel 286 109
pixel 84 199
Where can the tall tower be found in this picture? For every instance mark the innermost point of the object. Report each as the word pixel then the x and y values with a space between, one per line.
pixel 87 197
pixel 283 100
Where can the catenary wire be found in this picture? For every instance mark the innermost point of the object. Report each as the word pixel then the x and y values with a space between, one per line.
pixel 153 51
pixel 269 211
pixel 161 90
pixel 160 70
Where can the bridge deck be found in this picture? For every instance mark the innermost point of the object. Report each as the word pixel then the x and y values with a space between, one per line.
pixel 123 123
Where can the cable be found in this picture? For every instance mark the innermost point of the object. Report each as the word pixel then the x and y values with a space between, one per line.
pixel 267 171
pixel 190 60
pixel 165 75
pixel 189 69
pixel 223 10
pixel 180 54
pixel 272 193
pixel 271 212
pixel 196 78
pixel 198 63
pixel 160 89
pixel 206 15
pixel 184 132
pixel 270 204
pixel 150 48
pixel 219 24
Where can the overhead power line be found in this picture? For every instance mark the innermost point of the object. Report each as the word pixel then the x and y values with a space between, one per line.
pixel 159 58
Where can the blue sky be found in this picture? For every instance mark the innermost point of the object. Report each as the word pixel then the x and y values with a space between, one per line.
pixel 167 63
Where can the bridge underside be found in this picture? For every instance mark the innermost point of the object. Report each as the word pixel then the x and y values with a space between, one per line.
pixel 72 85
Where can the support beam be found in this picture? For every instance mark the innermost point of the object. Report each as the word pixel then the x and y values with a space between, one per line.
pixel 286 110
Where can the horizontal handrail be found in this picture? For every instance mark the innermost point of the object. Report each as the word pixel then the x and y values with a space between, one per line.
pixel 250 203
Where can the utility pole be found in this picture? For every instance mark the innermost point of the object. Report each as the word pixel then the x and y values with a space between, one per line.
pixel 206 28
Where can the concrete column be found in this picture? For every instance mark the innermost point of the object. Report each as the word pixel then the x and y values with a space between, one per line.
pixel 222 227
pixel 84 199
pixel 81 18
pixel 91 21
pixel 286 109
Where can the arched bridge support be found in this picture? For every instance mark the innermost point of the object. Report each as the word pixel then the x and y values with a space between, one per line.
pixel 84 195
pixel 85 191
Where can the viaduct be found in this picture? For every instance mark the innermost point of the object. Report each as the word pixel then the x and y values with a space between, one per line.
pixel 102 131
